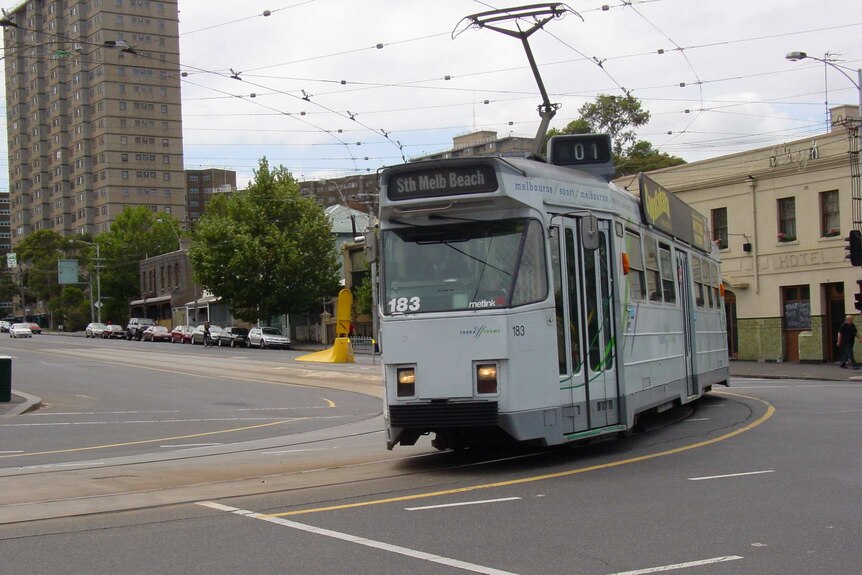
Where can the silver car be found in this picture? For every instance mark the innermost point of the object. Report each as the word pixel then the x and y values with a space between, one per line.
pixel 264 337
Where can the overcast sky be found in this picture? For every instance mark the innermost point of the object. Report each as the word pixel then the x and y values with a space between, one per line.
pixel 367 107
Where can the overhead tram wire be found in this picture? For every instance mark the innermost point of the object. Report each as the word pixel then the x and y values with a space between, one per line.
pixel 264 14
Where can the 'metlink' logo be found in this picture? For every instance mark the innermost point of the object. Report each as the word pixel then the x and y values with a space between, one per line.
pixel 478 331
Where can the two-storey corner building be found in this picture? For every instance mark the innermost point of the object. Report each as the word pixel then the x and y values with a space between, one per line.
pixel 93 112
pixel 780 215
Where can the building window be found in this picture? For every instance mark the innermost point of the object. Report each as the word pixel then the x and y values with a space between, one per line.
pixel 719 227
pixel 787 219
pixel 830 224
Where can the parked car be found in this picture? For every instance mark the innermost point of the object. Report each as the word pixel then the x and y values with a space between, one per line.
pixel 182 334
pixel 5 325
pixel 17 330
pixel 264 337
pixel 233 336
pixel 156 333
pixel 113 331
pixel 198 334
pixel 35 328
pixel 137 325
pixel 94 329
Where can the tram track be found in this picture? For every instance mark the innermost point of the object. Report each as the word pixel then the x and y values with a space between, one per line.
pixel 360 471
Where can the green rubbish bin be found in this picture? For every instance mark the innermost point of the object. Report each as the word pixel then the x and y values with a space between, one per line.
pixel 5 379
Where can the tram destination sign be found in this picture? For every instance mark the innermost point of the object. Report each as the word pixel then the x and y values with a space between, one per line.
pixel 663 210
pixel 446 180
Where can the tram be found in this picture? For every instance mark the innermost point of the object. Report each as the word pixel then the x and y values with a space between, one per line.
pixel 531 301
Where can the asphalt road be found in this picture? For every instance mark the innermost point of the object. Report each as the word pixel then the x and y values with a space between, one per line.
pixel 763 478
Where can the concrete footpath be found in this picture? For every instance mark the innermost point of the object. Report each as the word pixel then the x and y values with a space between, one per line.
pixel 23 402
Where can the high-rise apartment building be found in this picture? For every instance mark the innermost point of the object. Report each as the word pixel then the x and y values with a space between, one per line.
pixel 202 184
pixel 93 113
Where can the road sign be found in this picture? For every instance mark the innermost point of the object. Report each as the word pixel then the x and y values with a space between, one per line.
pixel 12 260
pixel 67 271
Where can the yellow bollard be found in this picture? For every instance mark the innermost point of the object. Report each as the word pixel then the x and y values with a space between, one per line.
pixel 342 351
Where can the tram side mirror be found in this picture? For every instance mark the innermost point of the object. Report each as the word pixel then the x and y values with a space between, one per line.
pixel 371 245
pixel 590 233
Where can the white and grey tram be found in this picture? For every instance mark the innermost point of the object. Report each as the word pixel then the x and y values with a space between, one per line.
pixel 536 302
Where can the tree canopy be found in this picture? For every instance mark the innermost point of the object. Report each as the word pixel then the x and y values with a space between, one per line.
pixel 619 117
pixel 135 235
pixel 38 254
pixel 265 250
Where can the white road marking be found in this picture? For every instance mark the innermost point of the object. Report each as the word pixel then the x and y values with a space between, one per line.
pixel 83 464
pixel 11 452
pixel 698 419
pixel 681 565
pixel 139 421
pixel 360 540
pixel 461 504
pixel 191 445
pixel 731 475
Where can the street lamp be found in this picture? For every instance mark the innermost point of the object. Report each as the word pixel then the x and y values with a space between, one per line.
pixel 796 56
pixel 856 196
pixel 98 303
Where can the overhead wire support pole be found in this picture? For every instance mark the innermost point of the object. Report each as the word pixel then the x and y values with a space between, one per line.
pixel 540 14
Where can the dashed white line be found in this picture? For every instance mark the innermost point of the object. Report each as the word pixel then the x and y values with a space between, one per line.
pixel 731 475
pixel 463 503
pixel 360 540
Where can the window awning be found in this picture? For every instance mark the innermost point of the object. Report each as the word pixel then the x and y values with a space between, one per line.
pixel 159 299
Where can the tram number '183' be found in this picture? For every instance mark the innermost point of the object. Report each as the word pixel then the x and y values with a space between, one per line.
pixel 519 330
pixel 403 304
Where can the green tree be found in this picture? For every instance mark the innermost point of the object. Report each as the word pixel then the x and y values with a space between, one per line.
pixel 135 235
pixel 38 254
pixel 71 308
pixel 642 157
pixel 265 250
pixel 617 116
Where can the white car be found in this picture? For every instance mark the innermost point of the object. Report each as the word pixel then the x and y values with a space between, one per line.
pixel 95 329
pixel 5 325
pixel 20 330
pixel 264 337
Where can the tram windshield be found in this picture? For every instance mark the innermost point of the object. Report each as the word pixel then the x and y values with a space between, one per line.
pixel 463 266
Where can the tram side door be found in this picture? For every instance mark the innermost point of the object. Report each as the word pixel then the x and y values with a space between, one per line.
pixel 599 328
pixel 586 339
pixel 683 276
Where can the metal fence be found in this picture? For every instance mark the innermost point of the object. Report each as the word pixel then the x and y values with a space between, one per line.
pixel 362 345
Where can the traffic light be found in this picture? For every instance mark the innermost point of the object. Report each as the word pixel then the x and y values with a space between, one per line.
pixel 854 247
pixel 858 295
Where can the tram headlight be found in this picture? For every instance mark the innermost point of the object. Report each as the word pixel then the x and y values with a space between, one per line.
pixel 406 377
pixel 486 378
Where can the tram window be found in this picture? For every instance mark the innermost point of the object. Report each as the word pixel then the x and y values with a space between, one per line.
pixel 697 276
pixel 557 268
pixel 707 283
pixel 637 287
pixel 716 279
pixel 531 284
pixel 652 275
pixel 574 319
pixel 667 275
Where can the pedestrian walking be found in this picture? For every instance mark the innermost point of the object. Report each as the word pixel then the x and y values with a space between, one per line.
pixel 207 340
pixel 847 336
